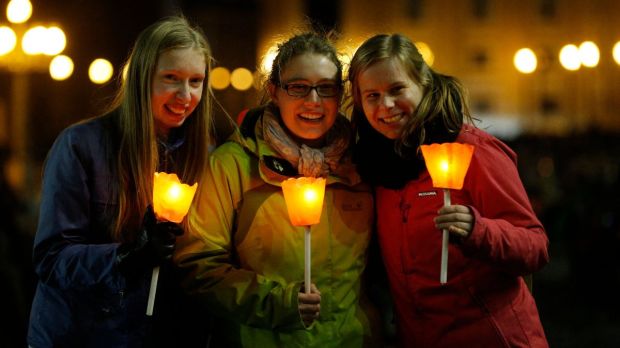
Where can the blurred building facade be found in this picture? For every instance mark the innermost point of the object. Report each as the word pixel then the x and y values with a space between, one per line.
pixel 476 41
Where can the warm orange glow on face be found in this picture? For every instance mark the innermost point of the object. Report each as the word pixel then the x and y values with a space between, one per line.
pixel 447 163
pixel 171 198
pixel 304 200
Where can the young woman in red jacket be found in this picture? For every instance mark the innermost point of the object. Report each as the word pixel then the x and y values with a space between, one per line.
pixel 400 103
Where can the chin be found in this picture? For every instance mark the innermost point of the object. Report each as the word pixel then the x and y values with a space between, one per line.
pixel 391 135
pixel 311 139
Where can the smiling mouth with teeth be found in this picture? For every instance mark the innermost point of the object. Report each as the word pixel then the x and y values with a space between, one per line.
pixel 177 111
pixel 311 117
pixel 392 119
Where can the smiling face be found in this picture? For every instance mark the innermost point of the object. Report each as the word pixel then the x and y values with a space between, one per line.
pixel 176 87
pixel 389 96
pixel 307 118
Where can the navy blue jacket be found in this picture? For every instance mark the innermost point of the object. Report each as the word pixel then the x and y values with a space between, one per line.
pixel 82 300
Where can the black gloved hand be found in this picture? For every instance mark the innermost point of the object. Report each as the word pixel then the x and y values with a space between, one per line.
pixel 154 244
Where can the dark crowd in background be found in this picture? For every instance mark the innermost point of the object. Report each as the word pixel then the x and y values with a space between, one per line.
pixel 573 184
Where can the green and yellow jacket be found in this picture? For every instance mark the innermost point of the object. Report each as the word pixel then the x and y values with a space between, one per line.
pixel 245 260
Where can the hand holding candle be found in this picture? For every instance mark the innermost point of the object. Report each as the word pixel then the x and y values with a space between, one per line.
pixel 171 202
pixel 447 164
pixel 304 202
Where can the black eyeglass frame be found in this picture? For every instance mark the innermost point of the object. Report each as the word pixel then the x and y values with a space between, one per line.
pixel 287 86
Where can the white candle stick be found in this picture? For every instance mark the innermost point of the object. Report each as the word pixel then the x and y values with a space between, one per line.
pixel 307 263
pixel 443 275
pixel 151 301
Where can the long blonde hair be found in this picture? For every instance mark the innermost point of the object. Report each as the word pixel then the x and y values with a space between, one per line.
pixel 138 154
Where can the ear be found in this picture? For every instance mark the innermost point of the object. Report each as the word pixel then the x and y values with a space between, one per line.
pixel 272 89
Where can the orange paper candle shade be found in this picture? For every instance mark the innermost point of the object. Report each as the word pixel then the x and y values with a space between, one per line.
pixel 304 200
pixel 447 163
pixel 171 198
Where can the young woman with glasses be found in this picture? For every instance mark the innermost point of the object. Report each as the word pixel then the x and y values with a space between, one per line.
pixel 245 259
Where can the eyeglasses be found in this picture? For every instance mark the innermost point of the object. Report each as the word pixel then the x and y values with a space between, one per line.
pixel 324 90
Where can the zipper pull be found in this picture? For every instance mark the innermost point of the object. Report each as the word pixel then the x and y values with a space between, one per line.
pixel 121 295
pixel 404 209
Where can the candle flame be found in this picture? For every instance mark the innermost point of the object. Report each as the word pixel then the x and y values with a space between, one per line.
pixel 310 195
pixel 174 192
pixel 444 166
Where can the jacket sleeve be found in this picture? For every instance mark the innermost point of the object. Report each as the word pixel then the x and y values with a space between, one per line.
pixel 65 255
pixel 206 253
pixel 506 231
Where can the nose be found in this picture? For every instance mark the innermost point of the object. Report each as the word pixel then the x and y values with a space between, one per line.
pixel 387 101
pixel 313 97
pixel 183 93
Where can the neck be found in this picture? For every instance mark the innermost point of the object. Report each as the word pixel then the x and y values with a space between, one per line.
pixel 161 132
pixel 313 143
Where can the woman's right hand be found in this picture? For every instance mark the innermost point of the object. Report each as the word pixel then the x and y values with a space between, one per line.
pixel 154 244
pixel 309 305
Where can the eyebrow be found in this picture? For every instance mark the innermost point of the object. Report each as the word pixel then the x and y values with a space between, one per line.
pixel 180 71
pixel 307 80
pixel 391 85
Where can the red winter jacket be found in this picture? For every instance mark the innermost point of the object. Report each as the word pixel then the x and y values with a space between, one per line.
pixel 485 303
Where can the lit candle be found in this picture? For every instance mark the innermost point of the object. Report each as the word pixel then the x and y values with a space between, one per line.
pixel 171 198
pixel 447 164
pixel 304 202
pixel 171 201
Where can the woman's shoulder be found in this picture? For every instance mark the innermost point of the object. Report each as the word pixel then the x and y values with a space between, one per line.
pixel 87 138
pixel 471 134
pixel 229 147
pixel 88 128
pixel 484 142
pixel 476 136
pixel 231 151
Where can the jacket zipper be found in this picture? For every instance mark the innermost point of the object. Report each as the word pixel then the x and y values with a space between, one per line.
pixel 121 294
pixel 404 208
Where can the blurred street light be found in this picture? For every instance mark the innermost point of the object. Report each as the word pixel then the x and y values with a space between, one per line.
pixel 241 79
pixel 426 52
pixel 61 67
pixel 219 78
pixel 589 54
pixel 268 58
pixel 616 52
pixel 18 11
pixel 569 57
pixel 525 61
pixel 23 51
pixel 100 71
